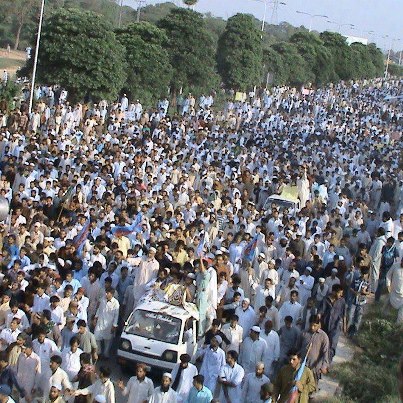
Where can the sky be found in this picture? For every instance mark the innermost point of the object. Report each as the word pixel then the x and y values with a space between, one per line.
pixel 383 17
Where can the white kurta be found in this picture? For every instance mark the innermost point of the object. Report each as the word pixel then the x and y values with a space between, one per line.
pixel 213 362
pixel 71 362
pixel 252 352
pixel 247 319
pixel 105 389
pixel 186 380
pixel 147 271
pixel 138 391
pixel 394 282
pixel 28 371
pixel 234 375
pixel 163 397
pixel 290 309
pixel 272 352
pixel 108 315
pixel 305 288
pixel 251 388
pixel 234 335
pixel 261 294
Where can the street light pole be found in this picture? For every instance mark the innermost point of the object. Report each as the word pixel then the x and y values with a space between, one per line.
pixel 38 40
pixel 388 59
pixel 312 17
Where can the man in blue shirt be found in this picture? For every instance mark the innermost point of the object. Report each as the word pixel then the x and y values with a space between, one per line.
pixel 199 393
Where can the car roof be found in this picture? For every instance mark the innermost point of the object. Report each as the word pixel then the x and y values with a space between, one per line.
pixel 165 308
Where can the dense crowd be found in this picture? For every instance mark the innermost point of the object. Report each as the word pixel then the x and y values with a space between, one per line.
pixel 113 203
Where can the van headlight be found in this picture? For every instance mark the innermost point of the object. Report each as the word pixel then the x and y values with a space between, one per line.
pixel 169 355
pixel 125 345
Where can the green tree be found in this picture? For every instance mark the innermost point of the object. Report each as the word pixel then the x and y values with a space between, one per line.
pixel 363 66
pixel 191 50
pixel 273 65
pixel 240 53
pixel 80 52
pixel 189 2
pixel 377 59
pixel 341 54
pixel 295 69
pixel 317 57
pixel 149 72
pixel 19 12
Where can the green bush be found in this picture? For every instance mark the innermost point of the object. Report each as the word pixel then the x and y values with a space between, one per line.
pixel 371 376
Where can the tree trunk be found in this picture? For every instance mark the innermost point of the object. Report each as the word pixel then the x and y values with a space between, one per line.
pixel 17 36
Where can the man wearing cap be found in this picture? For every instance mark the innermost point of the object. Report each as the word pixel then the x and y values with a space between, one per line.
pixel 332 279
pixel 320 291
pixel 139 388
pixel 182 377
pixel 253 350
pixel 306 282
pixel 164 393
pixel 230 378
pixel 55 394
pixel 213 362
pixel 247 316
pixel 147 271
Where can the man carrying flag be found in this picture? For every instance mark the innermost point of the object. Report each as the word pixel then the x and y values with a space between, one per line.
pixel 135 226
pixel 294 382
pixel 81 237
pixel 199 250
pixel 250 249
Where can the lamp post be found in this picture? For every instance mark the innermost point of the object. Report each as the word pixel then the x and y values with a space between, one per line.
pixel 312 17
pixel 38 40
pixel 339 25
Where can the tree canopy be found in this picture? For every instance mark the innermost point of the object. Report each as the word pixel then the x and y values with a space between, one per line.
pixel 149 71
pixel 80 52
pixel 191 50
pixel 240 53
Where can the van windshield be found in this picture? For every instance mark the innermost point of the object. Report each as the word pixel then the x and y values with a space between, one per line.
pixel 154 325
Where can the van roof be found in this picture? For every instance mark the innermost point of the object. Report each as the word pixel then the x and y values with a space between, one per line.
pixel 164 307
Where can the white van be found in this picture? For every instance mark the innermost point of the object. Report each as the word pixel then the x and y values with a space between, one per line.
pixel 157 334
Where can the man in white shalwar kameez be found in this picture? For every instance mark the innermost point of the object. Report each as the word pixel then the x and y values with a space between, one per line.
pixel 394 283
pixel 272 353
pixel 182 377
pixel 28 369
pixel 230 379
pixel 164 393
pixel 213 362
pixel 253 350
pixel 376 255
pixel 139 388
pixel 147 271
pixel 106 321
pixel 306 282
pixel 303 188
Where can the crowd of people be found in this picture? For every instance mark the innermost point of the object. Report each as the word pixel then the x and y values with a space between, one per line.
pixel 112 202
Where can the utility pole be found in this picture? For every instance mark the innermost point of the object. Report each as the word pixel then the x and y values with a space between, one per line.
pixel 139 7
pixel 120 13
pixel 38 40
